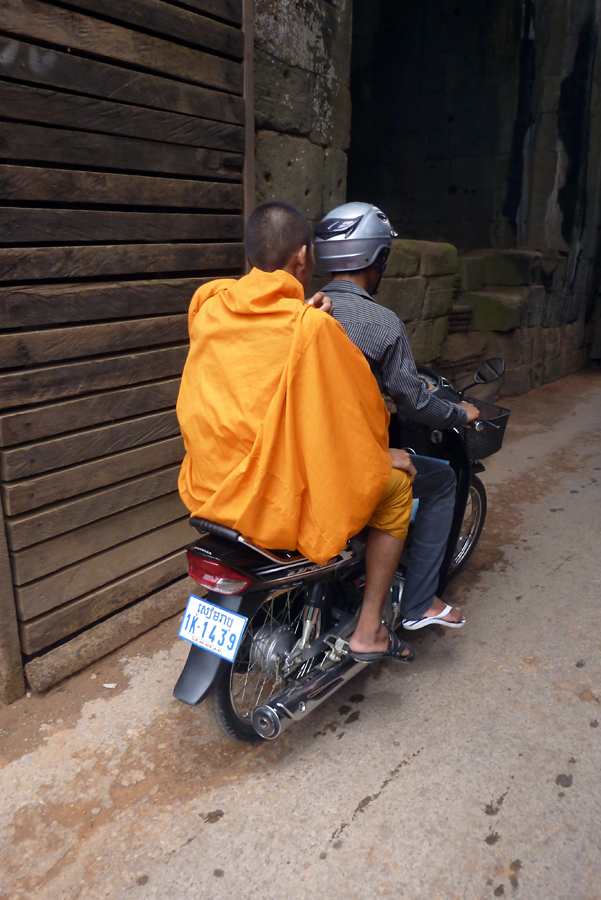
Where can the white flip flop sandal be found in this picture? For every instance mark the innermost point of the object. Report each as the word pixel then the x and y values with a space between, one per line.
pixel 414 624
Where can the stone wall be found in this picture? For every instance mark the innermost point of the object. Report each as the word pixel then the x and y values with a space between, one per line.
pixel 302 102
pixel 480 124
pixel 477 124
pixel 460 310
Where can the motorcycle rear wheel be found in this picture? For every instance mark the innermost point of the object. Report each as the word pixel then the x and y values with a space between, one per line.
pixel 472 525
pixel 251 679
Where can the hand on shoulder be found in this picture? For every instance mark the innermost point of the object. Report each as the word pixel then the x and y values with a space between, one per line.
pixel 320 301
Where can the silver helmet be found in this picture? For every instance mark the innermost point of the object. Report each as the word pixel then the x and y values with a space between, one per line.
pixel 352 237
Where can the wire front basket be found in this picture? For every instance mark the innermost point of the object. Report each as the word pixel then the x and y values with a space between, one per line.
pixel 480 444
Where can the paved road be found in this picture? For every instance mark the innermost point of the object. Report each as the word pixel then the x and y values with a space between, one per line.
pixel 473 774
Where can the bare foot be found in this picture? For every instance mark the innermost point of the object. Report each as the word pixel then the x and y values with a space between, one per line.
pixel 372 643
pixel 437 607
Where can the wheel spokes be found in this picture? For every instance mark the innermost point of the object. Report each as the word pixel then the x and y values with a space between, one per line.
pixel 250 685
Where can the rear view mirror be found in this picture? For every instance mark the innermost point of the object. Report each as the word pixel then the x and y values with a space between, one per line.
pixel 489 371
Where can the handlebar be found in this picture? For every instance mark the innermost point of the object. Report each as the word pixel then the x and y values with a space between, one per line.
pixel 479 425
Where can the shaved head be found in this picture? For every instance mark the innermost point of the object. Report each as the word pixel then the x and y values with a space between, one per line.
pixel 273 232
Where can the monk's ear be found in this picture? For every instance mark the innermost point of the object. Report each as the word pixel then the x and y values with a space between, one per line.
pixel 297 260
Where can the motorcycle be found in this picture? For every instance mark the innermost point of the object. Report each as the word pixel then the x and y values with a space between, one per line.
pixel 269 639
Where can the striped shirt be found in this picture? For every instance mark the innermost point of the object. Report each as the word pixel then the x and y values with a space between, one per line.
pixel 382 338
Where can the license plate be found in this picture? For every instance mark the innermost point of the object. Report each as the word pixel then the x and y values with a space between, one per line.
pixel 213 628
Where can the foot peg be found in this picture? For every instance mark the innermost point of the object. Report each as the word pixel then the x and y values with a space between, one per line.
pixel 338 648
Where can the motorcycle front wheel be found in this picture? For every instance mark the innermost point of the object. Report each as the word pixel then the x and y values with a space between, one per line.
pixel 254 675
pixel 472 525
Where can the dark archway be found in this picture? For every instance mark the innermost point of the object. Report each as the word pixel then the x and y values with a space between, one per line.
pixel 434 89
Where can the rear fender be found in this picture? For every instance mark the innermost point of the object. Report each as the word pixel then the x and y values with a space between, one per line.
pixel 203 669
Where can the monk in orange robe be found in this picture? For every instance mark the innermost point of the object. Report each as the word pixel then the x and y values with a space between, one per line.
pixel 285 431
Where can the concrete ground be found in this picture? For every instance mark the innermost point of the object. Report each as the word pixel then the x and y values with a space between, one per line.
pixel 474 773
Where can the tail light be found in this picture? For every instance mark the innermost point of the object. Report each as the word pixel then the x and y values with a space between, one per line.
pixel 215 576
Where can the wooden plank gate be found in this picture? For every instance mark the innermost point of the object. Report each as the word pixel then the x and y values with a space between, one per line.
pixel 125 126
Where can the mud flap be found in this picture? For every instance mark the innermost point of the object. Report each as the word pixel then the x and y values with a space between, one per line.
pixel 201 672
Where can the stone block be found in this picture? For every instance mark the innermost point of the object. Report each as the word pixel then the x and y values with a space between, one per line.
pixel 331 119
pixel 536 351
pixel 283 96
pixel 573 337
pixel 290 169
pixel 553 309
pixel 553 272
pixel 305 34
pixel 591 330
pixel 552 369
pixel 471 272
pixel 436 258
pixel 420 339
pixel 551 343
pixel 572 362
pixel 440 292
pixel 489 393
pixel 573 303
pixel 509 346
pixel 517 381
pixel 465 346
pixel 440 332
pixel 428 338
pixel 404 296
pixel 509 267
pixel 533 310
pixel 403 260
pixel 334 180
pixel 550 98
pixel 494 310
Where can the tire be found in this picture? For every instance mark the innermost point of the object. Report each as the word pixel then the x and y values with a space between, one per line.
pixel 471 527
pixel 251 679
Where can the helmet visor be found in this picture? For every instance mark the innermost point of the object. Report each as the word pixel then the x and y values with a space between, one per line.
pixel 330 228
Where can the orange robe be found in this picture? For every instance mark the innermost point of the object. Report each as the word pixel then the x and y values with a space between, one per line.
pixel 285 430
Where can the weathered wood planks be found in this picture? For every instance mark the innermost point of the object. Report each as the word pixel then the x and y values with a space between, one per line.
pixel 58 109
pixel 35 385
pixel 66 549
pixel 28 348
pixel 33 423
pixel 30 305
pixel 38 263
pixel 21 59
pixel 115 631
pixel 169 21
pixel 94 188
pixel 52 24
pixel 103 151
pixel 58 518
pixel 47 593
pixel 32 493
pixel 67 450
pixel 58 226
pixel 53 626
pixel 123 136
pixel 230 10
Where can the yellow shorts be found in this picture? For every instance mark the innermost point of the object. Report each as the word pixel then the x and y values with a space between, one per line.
pixel 393 512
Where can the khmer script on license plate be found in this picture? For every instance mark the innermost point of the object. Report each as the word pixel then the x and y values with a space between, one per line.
pixel 213 628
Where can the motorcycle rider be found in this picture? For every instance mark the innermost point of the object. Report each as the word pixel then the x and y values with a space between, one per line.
pixel 353 243
pixel 266 454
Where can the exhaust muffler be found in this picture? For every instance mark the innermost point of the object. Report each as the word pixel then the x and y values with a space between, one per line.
pixel 300 698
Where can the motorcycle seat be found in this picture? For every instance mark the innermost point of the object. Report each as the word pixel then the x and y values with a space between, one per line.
pixel 228 534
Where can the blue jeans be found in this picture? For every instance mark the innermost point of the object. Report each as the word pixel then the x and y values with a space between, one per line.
pixel 434 487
